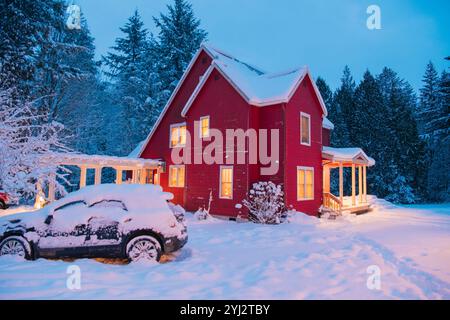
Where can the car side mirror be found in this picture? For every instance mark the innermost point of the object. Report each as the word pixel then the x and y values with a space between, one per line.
pixel 49 219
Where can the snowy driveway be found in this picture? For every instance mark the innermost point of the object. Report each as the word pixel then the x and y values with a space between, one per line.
pixel 306 259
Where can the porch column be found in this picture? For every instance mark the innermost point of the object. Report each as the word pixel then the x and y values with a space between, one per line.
pixel 98 175
pixel 134 176
pixel 365 183
pixel 118 175
pixel 83 177
pixel 326 179
pixel 360 184
pixel 156 177
pixel 353 185
pixel 51 187
pixel 341 182
pixel 143 176
pixel 39 195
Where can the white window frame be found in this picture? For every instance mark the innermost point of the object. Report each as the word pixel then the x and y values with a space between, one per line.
pixel 296 182
pixel 170 175
pixel 176 125
pixel 220 182
pixel 306 115
pixel 209 127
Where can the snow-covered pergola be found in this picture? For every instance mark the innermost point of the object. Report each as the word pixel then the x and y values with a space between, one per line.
pixel 341 158
pixel 137 168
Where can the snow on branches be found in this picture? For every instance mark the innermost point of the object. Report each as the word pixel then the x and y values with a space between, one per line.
pixel 24 138
pixel 265 202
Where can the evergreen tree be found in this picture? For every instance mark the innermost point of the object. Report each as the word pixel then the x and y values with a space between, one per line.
pixel 372 131
pixel 21 30
pixel 179 38
pixel 341 110
pixel 429 108
pixel 442 122
pixel 325 92
pixel 407 151
pixel 128 68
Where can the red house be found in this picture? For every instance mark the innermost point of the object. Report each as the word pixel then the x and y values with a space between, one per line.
pixel 219 92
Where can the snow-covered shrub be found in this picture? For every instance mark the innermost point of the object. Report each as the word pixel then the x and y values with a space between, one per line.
pixel 202 214
pixel 265 202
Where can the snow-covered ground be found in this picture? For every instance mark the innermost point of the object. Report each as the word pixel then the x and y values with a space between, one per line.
pixel 306 259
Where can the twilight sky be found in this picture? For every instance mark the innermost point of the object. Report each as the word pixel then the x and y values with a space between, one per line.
pixel 325 35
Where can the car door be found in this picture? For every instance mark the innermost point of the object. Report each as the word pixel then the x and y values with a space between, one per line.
pixel 66 231
pixel 104 236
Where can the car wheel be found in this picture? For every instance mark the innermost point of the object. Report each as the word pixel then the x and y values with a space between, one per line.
pixel 14 246
pixel 143 248
pixel 2 205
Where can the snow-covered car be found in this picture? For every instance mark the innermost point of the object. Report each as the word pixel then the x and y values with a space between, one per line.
pixel 111 221
pixel 4 200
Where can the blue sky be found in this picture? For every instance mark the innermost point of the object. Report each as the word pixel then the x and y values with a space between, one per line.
pixel 325 35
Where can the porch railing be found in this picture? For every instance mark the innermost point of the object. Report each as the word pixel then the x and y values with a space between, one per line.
pixel 332 202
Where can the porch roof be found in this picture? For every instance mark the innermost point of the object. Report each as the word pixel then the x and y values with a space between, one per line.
pixel 349 155
pixel 76 159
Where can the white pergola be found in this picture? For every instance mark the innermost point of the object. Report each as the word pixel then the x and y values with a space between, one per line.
pixel 341 158
pixel 137 167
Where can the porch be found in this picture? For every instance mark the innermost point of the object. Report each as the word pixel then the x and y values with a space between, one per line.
pixel 127 170
pixel 358 161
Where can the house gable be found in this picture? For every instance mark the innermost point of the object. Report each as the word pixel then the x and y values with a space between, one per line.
pixel 181 94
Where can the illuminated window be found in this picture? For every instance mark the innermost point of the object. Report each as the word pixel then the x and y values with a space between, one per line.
pixel 305 129
pixel 204 127
pixel 178 135
pixel 176 176
pixel 226 182
pixel 305 183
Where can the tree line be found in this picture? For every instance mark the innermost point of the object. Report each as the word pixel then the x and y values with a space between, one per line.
pixel 407 135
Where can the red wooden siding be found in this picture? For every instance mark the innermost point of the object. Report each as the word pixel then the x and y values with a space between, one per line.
pixel 326 137
pixel 304 100
pixel 158 146
pixel 227 110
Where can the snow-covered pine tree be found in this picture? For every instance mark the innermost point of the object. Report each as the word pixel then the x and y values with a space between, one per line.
pixel 180 36
pixel 129 70
pixel 438 182
pixel 339 112
pixel 430 106
pixel 442 122
pixel 407 149
pixel 24 139
pixel 372 131
pixel 21 30
pixel 325 92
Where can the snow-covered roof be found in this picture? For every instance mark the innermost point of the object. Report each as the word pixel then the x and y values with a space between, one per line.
pixel 77 159
pixel 347 155
pixel 257 87
pixel 136 152
pixel 327 124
